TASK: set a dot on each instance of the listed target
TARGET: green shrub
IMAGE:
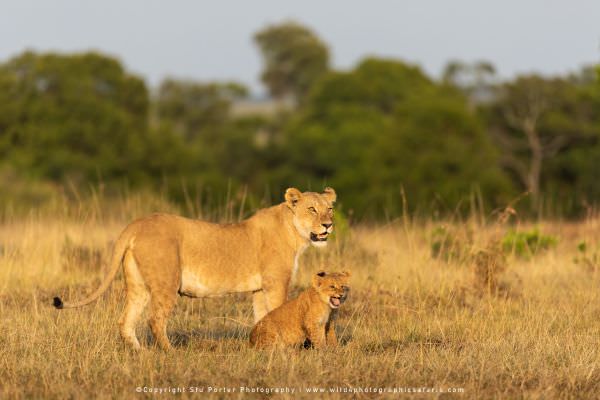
(527, 243)
(341, 224)
(587, 259)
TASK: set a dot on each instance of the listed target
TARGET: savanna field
(482, 307)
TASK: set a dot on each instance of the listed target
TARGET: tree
(78, 117)
(572, 176)
(476, 80)
(225, 152)
(384, 127)
(294, 58)
(193, 108)
(535, 119)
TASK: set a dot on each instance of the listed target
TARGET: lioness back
(308, 316)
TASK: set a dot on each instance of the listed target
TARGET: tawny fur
(309, 316)
(166, 255)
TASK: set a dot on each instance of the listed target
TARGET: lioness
(165, 255)
(309, 316)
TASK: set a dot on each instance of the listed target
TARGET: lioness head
(332, 287)
(313, 213)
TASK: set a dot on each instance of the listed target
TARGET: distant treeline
(385, 135)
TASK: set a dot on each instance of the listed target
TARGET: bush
(341, 225)
(528, 243)
(587, 259)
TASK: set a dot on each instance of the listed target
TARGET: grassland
(532, 330)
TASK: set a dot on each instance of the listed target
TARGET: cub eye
(331, 287)
(312, 210)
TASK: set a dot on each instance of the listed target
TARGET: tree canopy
(384, 128)
(80, 116)
(541, 126)
(384, 133)
(294, 58)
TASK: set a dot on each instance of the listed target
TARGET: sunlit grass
(411, 320)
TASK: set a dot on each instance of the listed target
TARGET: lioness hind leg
(136, 301)
(159, 263)
(162, 305)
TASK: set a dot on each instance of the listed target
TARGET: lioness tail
(118, 253)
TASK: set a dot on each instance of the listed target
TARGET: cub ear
(329, 194)
(292, 195)
(346, 274)
(316, 279)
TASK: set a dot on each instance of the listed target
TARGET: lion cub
(309, 316)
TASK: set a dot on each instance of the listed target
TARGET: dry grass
(529, 328)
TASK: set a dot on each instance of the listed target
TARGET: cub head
(332, 287)
(313, 213)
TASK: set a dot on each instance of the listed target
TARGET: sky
(202, 40)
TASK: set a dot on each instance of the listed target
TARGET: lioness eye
(331, 287)
(312, 210)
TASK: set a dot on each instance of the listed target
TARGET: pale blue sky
(213, 40)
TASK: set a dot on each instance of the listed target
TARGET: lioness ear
(292, 195)
(329, 193)
(316, 280)
(346, 274)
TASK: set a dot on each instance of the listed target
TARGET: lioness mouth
(335, 302)
(321, 237)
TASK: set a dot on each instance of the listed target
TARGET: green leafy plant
(342, 224)
(587, 259)
(527, 243)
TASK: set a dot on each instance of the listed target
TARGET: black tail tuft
(57, 303)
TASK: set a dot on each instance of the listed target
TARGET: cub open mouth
(321, 237)
(335, 302)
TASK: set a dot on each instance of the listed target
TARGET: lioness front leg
(275, 297)
(275, 292)
(259, 303)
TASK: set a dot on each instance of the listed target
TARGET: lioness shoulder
(309, 316)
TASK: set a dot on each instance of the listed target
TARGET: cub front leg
(331, 338)
(316, 335)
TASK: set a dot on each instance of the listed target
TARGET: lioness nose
(327, 225)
